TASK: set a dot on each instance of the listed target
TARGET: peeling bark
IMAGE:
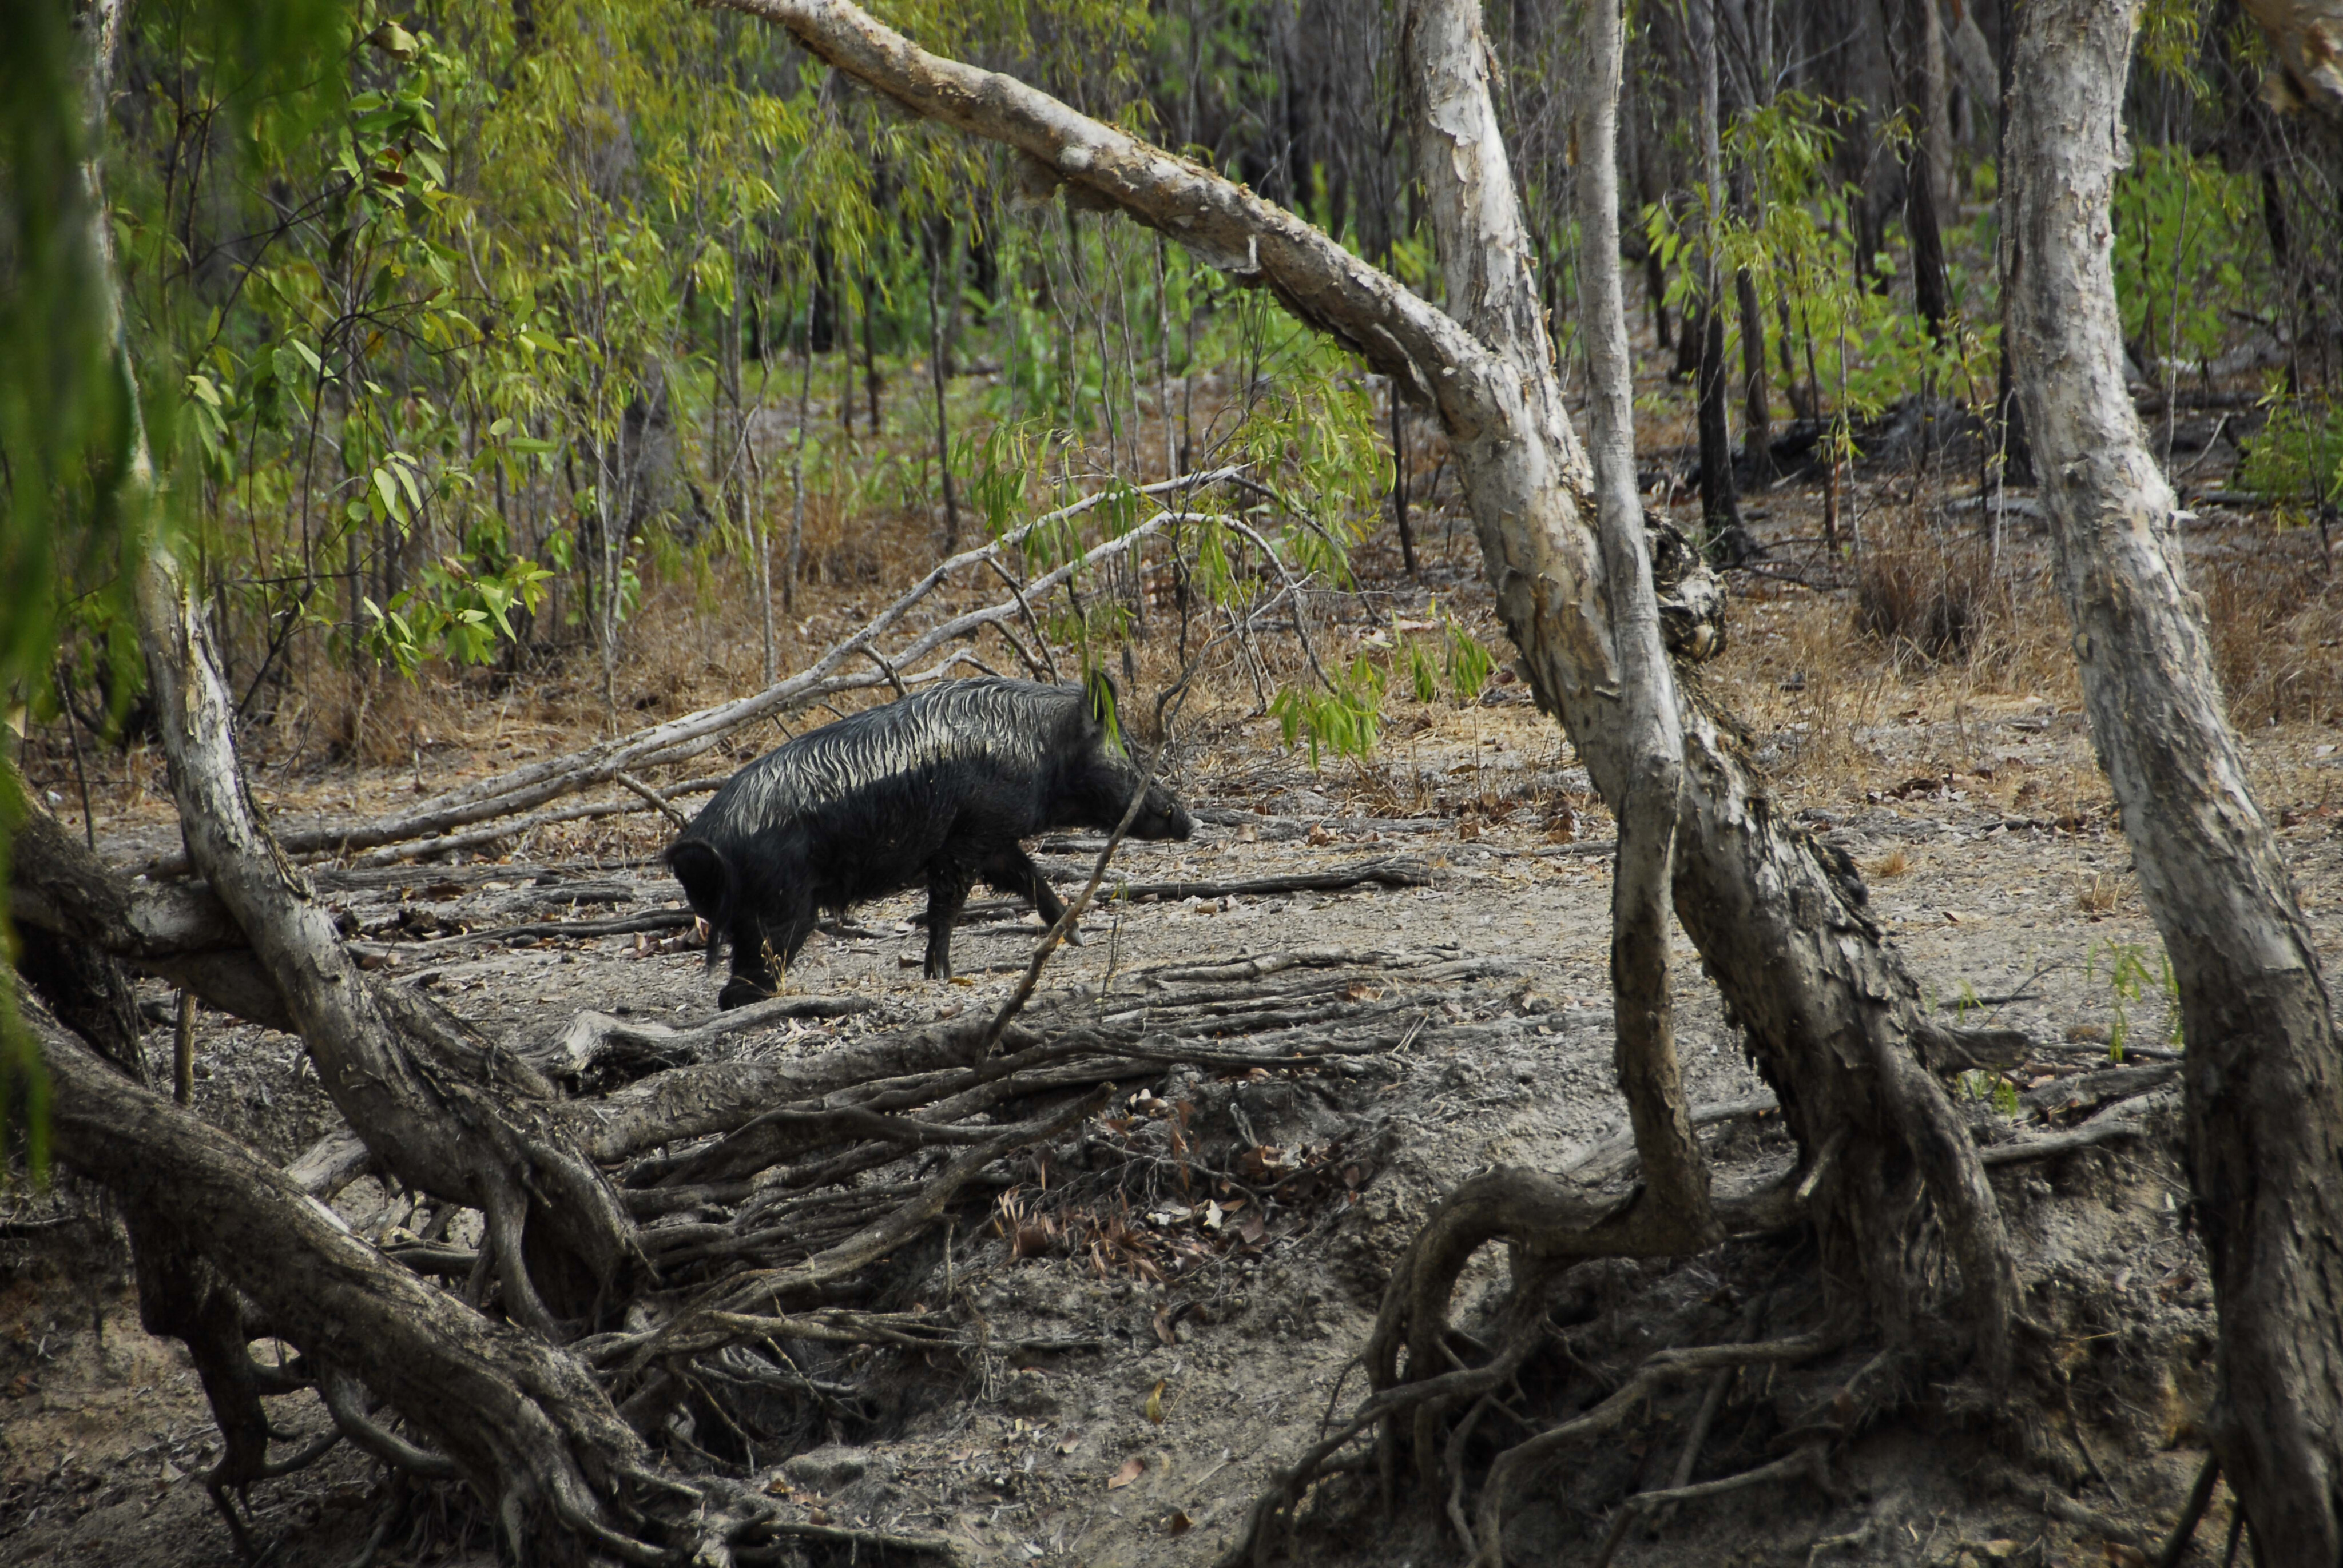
(2264, 1084)
(180, 932)
(446, 1110)
(1651, 733)
(2308, 38)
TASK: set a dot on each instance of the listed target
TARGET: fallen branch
(696, 1330)
(1806, 1462)
(615, 925)
(2125, 1119)
(693, 734)
(1614, 1158)
(592, 1036)
(839, 1535)
(1385, 873)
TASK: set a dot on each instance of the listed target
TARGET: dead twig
(701, 1329)
(2125, 1119)
(1656, 1372)
(630, 782)
(2200, 1497)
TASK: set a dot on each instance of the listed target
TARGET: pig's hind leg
(948, 885)
(1013, 871)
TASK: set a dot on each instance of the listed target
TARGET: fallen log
(1385, 873)
(183, 933)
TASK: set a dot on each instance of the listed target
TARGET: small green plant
(458, 609)
(1345, 720)
(2130, 977)
(1979, 1085)
(1967, 1001)
(1470, 665)
(2297, 459)
(1460, 660)
(1422, 674)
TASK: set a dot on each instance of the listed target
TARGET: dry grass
(1910, 670)
(2097, 893)
(1925, 594)
(2277, 623)
(1895, 864)
(1928, 636)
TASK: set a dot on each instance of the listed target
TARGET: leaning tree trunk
(2265, 1089)
(520, 1419)
(1651, 733)
(1829, 1010)
(446, 1111)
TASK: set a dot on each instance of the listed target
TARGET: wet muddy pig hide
(937, 788)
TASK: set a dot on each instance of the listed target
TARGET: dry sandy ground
(1148, 1453)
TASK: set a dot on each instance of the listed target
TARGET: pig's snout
(1162, 817)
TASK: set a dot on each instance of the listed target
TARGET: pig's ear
(1101, 703)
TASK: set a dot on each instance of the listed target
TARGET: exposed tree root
(1423, 1399)
(520, 1419)
(743, 1252)
(1660, 1370)
(2200, 1497)
(1808, 1461)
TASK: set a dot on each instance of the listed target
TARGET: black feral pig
(941, 787)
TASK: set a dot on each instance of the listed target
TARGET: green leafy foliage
(2133, 973)
(1344, 717)
(2190, 257)
(1858, 349)
(2296, 458)
(69, 415)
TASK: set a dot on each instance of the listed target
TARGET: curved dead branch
(446, 1110)
(180, 933)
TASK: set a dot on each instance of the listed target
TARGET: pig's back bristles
(1012, 722)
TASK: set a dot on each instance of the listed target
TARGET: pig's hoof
(740, 993)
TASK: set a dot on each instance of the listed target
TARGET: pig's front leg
(763, 945)
(753, 978)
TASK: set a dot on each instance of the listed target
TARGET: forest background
(461, 330)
